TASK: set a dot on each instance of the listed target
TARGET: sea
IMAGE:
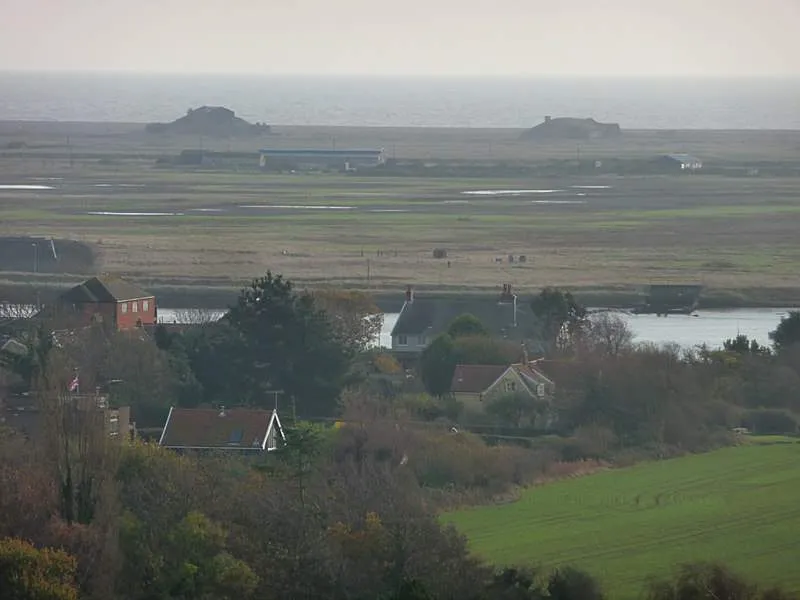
(634, 103)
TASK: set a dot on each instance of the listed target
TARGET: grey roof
(105, 289)
(431, 316)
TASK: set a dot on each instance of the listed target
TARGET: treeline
(350, 511)
(336, 514)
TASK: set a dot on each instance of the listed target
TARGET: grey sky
(502, 37)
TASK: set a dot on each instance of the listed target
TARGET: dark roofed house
(239, 429)
(108, 300)
(422, 319)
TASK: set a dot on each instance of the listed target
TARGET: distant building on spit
(681, 162)
(313, 159)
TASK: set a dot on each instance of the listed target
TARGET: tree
(438, 361)
(466, 325)
(191, 561)
(27, 573)
(514, 584)
(290, 345)
(787, 333)
(354, 315)
(572, 584)
(513, 408)
(437, 364)
(703, 581)
(741, 344)
(148, 379)
(561, 317)
(608, 334)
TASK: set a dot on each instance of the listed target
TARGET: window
(134, 306)
(236, 436)
(145, 305)
(402, 340)
(124, 307)
(423, 340)
(540, 390)
(272, 443)
(511, 386)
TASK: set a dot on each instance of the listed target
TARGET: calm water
(402, 102)
(710, 327)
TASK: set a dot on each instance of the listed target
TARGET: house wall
(471, 402)
(413, 343)
(127, 317)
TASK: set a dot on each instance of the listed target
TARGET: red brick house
(108, 300)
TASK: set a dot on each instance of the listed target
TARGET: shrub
(770, 421)
(27, 573)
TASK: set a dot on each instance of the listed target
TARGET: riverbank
(25, 289)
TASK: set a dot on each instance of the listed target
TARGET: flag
(73, 385)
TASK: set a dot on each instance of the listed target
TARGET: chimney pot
(409, 293)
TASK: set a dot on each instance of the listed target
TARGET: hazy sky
(459, 37)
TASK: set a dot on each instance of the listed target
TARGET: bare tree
(75, 441)
(196, 316)
(14, 311)
(608, 334)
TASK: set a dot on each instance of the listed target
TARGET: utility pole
(368, 273)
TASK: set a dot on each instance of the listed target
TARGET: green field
(739, 506)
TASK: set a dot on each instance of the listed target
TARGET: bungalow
(422, 319)
(240, 429)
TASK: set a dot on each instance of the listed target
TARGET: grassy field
(737, 505)
(223, 227)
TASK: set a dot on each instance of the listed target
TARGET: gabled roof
(104, 289)
(532, 377)
(478, 379)
(220, 429)
(475, 379)
(431, 316)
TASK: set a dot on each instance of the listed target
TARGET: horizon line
(340, 75)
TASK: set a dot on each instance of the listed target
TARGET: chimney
(525, 359)
(506, 295)
(547, 119)
(409, 294)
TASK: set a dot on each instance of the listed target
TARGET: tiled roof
(104, 289)
(475, 379)
(431, 316)
(532, 378)
(227, 428)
